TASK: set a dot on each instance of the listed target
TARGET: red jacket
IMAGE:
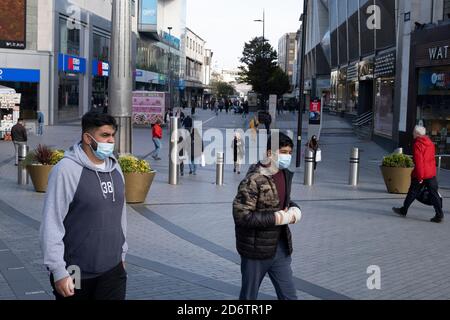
(157, 131)
(424, 159)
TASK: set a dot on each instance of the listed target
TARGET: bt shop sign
(71, 64)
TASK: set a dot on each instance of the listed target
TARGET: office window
(446, 9)
(69, 37)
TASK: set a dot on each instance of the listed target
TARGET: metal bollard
(439, 166)
(398, 151)
(22, 174)
(173, 152)
(354, 168)
(309, 168)
(219, 168)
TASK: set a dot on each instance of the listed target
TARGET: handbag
(424, 196)
(318, 155)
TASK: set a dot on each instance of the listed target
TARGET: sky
(227, 24)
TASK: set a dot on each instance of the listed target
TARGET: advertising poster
(12, 24)
(148, 15)
(148, 107)
(315, 111)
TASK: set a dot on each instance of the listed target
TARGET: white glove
(285, 217)
(296, 212)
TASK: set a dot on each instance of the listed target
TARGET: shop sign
(438, 53)
(171, 40)
(385, 65)
(19, 75)
(71, 64)
(100, 68)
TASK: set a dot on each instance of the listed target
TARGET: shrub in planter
(39, 163)
(396, 170)
(138, 178)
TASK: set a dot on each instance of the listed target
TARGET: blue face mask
(104, 150)
(284, 161)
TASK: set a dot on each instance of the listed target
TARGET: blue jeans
(279, 270)
(40, 129)
(155, 153)
(192, 167)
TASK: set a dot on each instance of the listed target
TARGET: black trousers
(415, 189)
(111, 285)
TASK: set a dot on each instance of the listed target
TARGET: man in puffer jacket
(424, 174)
(262, 211)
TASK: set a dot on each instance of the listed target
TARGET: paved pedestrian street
(182, 242)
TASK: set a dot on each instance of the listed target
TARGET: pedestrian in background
(196, 150)
(262, 211)
(424, 175)
(84, 217)
(156, 137)
(238, 151)
(40, 120)
(19, 137)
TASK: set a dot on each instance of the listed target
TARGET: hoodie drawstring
(101, 187)
(113, 189)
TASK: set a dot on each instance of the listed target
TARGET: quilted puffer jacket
(254, 210)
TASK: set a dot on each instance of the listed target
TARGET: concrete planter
(397, 180)
(137, 186)
(39, 176)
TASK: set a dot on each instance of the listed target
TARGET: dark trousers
(111, 285)
(415, 189)
(279, 270)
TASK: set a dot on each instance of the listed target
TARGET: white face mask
(284, 161)
(104, 150)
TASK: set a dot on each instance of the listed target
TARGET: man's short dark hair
(284, 141)
(20, 119)
(93, 120)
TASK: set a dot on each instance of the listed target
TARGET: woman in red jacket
(156, 136)
(424, 174)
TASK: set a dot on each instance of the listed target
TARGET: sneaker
(234, 170)
(190, 172)
(436, 219)
(399, 211)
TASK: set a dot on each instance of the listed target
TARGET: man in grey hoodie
(84, 217)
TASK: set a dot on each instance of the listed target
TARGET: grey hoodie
(84, 216)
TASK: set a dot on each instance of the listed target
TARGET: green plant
(398, 161)
(131, 164)
(43, 155)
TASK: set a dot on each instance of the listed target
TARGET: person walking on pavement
(187, 123)
(84, 217)
(156, 137)
(196, 150)
(238, 151)
(19, 137)
(262, 211)
(40, 120)
(424, 175)
(313, 144)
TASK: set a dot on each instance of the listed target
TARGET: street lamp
(264, 24)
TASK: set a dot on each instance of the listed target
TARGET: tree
(222, 89)
(279, 82)
(259, 65)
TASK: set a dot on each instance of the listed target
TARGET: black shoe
(234, 170)
(436, 219)
(399, 211)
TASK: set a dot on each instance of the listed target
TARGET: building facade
(195, 69)
(60, 59)
(387, 59)
(287, 53)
